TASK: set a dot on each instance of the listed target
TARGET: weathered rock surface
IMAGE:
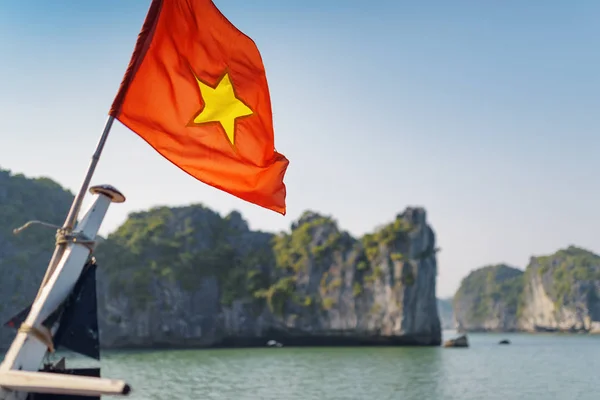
(558, 292)
(460, 341)
(188, 277)
(488, 299)
(562, 292)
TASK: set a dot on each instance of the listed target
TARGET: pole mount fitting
(109, 191)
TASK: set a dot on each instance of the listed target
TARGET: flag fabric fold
(196, 91)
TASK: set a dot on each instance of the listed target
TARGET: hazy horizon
(483, 114)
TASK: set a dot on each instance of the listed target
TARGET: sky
(484, 113)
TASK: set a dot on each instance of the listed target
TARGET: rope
(43, 336)
(63, 236)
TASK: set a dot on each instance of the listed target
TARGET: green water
(532, 367)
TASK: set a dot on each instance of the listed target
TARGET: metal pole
(76, 206)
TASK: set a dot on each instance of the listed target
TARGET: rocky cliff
(24, 257)
(189, 277)
(558, 292)
(562, 292)
(488, 299)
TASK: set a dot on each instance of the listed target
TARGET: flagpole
(76, 206)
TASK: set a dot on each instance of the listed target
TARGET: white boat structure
(63, 314)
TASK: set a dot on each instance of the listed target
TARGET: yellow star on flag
(221, 105)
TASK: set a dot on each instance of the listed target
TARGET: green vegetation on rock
(23, 199)
(392, 237)
(189, 275)
(188, 245)
(24, 257)
(315, 239)
(293, 250)
(389, 235)
(279, 293)
(567, 268)
(185, 245)
(486, 287)
(503, 297)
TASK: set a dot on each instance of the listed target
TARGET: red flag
(197, 92)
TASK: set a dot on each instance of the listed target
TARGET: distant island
(555, 293)
(189, 277)
(446, 313)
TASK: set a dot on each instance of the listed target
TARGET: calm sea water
(532, 367)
